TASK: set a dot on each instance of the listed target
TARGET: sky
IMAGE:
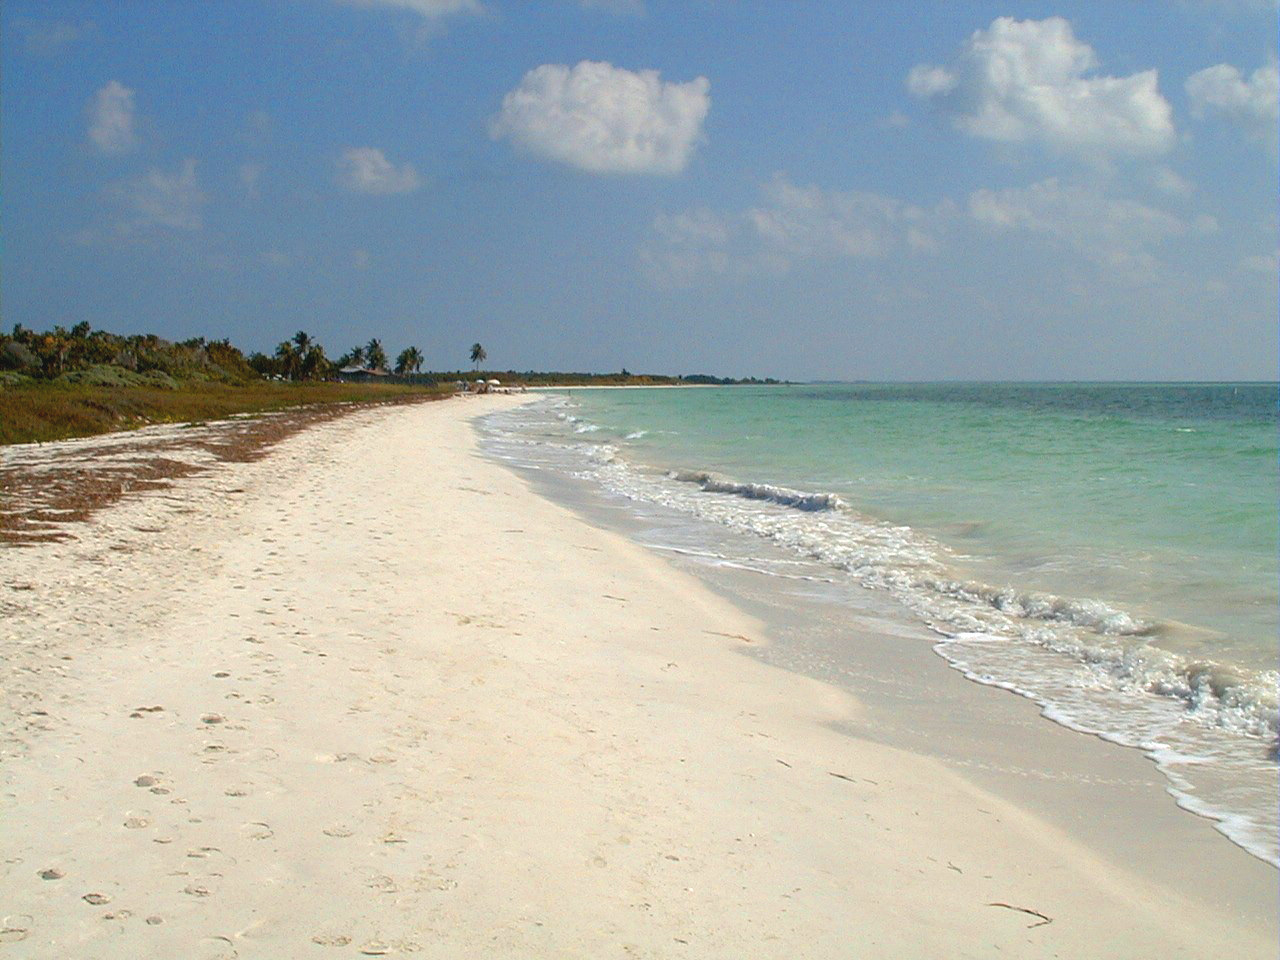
(804, 190)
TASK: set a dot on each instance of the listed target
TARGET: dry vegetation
(42, 411)
(45, 490)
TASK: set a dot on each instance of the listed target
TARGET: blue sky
(802, 190)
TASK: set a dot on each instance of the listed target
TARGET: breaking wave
(714, 483)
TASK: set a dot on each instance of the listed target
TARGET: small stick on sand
(1034, 913)
(731, 636)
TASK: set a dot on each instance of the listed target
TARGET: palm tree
(302, 340)
(315, 365)
(409, 361)
(375, 357)
(477, 355)
(288, 359)
(353, 358)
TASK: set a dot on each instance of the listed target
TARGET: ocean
(1107, 550)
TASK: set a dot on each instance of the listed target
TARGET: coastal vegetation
(77, 381)
(71, 382)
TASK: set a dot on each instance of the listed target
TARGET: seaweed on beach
(45, 489)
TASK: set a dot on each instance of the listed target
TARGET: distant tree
(375, 357)
(302, 340)
(288, 362)
(478, 355)
(352, 358)
(409, 361)
(315, 365)
(262, 364)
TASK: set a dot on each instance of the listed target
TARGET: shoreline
(410, 706)
(913, 697)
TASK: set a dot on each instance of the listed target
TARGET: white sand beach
(371, 695)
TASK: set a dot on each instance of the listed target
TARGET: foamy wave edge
(1245, 702)
(784, 496)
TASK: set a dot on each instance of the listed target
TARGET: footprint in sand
(257, 830)
(53, 873)
(15, 927)
(216, 948)
(331, 939)
(136, 823)
(209, 853)
(337, 830)
(337, 757)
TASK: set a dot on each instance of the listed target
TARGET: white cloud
(425, 8)
(796, 224)
(1108, 230)
(1253, 104)
(926, 81)
(809, 222)
(1025, 81)
(158, 201)
(112, 118)
(791, 224)
(604, 119)
(367, 170)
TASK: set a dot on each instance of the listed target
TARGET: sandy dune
(372, 696)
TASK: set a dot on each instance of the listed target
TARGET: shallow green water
(1159, 499)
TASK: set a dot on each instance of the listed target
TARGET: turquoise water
(1161, 498)
(1109, 550)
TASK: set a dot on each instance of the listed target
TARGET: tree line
(81, 354)
(302, 357)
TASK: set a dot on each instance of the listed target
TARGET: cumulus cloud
(604, 119)
(367, 170)
(1112, 231)
(158, 201)
(1253, 104)
(926, 81)
(1030, 81)
(112, 119)
(425, 8)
